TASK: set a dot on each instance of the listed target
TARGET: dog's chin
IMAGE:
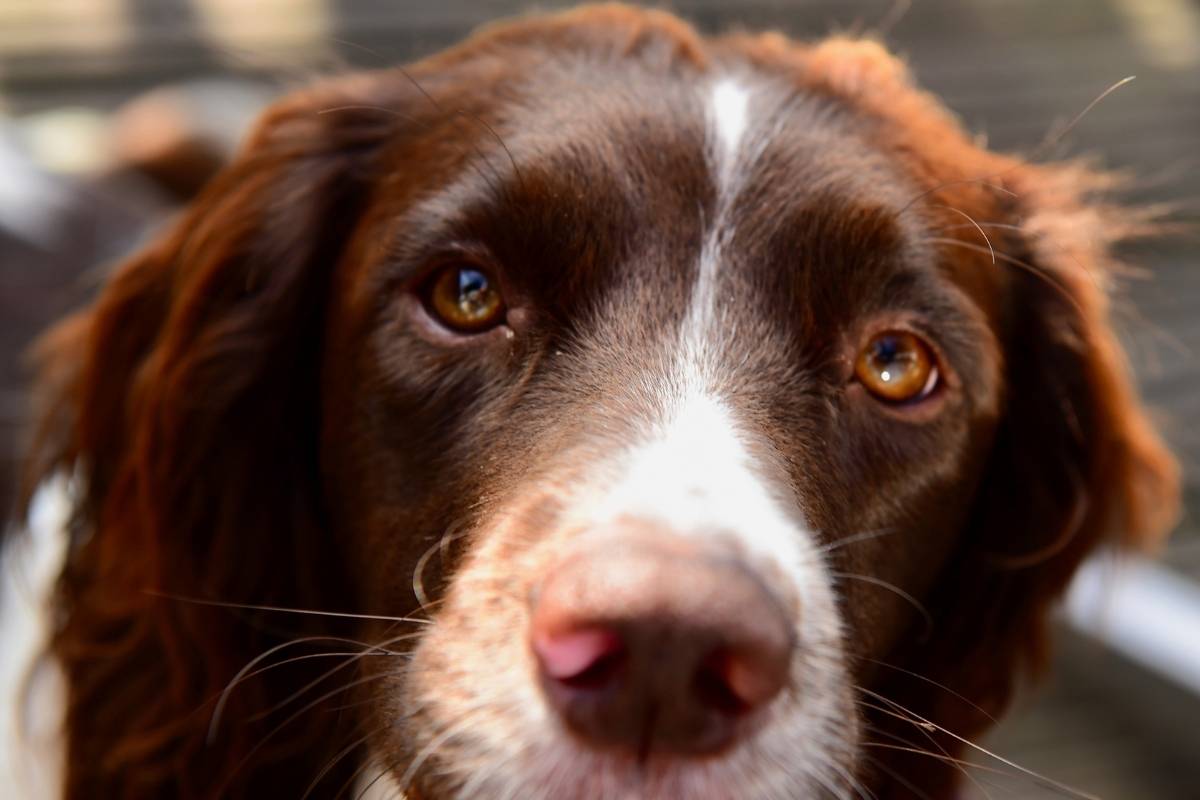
(570, 771)
(805, 748)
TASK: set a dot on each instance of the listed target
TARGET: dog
(591, 410)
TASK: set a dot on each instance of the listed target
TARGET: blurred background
(114, 111)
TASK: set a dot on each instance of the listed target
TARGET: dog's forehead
(733, 126)
(654, 160)
(731, 179)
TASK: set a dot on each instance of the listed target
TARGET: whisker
(200, 601)
(961, 763)
(223, 698)
(855, 784)
(379, 57)
(366, 764)
(1016, 262)
(891, 587)
(416, 84)
(1052, 139)
(931, 682)
(895, 14)
(933, 741)
(294, 659)
(1004, 226)
(845, 541)
(429, 749)
(418, 582)
(984, 182)
(907, 784)
(363, 792)
(916, 719)
(292, 718)
(977, 226)
(381, 650)
(391, 112)
(333, 762)
(479, 120)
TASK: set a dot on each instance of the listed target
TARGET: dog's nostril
(735, 683)
(581, 659)
(714, 691)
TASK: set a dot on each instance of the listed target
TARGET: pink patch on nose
(566, 655)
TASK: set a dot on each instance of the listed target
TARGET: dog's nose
(659, 645)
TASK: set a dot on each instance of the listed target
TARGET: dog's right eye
(465, 298)
(897, 367)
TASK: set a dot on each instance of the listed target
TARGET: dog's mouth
(768, 764)
(642, 664)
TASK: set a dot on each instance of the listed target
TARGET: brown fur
(229, 400)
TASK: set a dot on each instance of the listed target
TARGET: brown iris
(896, 366)
(466, 298)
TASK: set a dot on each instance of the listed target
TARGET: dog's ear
(184, 405)
(1076, 394)
(1076, 464)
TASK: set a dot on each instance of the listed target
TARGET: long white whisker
(976, 225)
(241, 675)
(896, 590)
(917, 719)
(931, 682)
(845, 541)
(200, 601)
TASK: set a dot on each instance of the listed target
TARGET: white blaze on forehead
(695, 473)
(729, 104)
(730, 150)
(696, 476)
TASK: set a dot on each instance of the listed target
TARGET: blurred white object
(1143, 611)
(31, 201)
(68, 141)
(31, 689)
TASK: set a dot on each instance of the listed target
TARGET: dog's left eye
(897, 367)
(465, 298)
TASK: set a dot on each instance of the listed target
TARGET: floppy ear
(184, 403)
(1076, 394)
(1076, 463)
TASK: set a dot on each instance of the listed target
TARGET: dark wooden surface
(1014, 70)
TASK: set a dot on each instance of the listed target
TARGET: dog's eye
(897, 366)
(465, 298)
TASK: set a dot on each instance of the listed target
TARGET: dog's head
(698, 396)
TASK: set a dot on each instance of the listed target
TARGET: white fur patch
(695, 471)
(696, 476)
(372, 784)
(728, 123)
(32, 700)
(730, 108)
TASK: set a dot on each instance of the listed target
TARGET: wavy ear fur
(1076, 465)
(184, 402)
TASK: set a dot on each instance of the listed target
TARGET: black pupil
(471, 284)
(888, 350)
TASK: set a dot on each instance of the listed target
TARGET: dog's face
(673, 373)
(685, 330)
(696, 392)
